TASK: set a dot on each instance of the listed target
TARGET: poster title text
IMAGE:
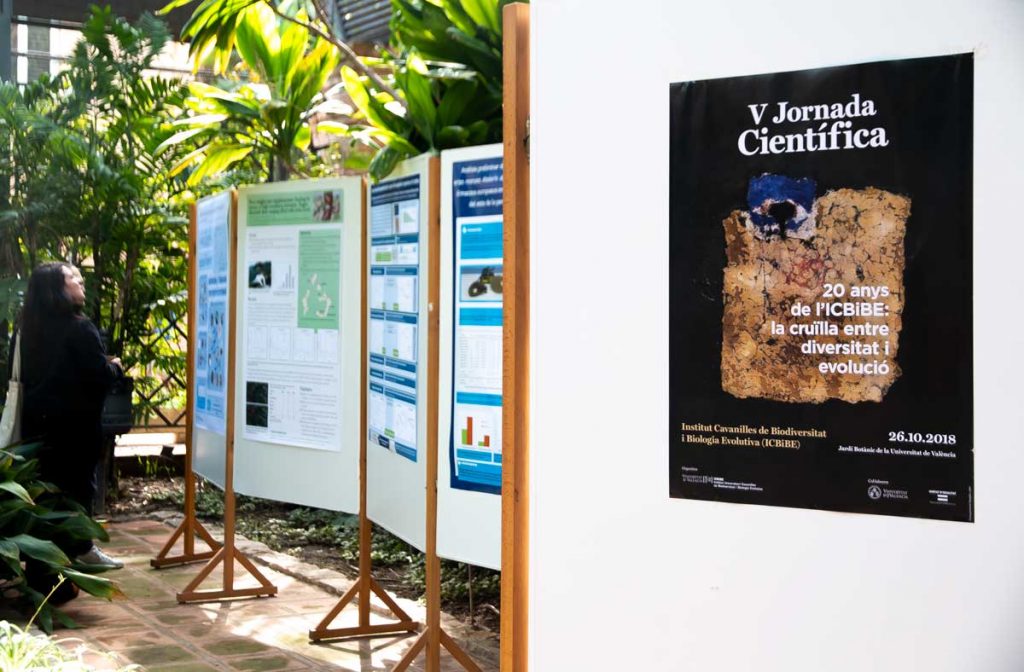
(830, 127)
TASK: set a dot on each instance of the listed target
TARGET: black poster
(820, 270)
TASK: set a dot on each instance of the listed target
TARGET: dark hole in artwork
(782, 212)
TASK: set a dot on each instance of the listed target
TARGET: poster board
(209, 308)
(821, 289)
(298, 342)
(723, 586)
(399, 211)
(470, 352)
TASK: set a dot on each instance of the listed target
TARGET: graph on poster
(479, 427)
(292, 252)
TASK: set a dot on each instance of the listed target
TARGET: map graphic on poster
(820, 296)
(293, 270)
(319, 255)
(393, 323)
(475, 446)
(211, 282)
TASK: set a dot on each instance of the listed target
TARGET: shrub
(38, 526)
(23, 651)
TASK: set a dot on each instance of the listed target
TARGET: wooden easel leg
(412, 653)
(404, 623)
(189, 528)
(362, 590)
(433, 638)
(255, 573)
(365, 586)
(423, 642)
(227, 556)
(386, 599)
(457, 653)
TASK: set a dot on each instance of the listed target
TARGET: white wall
(624, 578)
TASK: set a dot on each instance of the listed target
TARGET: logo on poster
(875, 492)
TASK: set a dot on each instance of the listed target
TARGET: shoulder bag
(10, 423)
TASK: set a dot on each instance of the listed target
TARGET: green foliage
(457, 581)
(446, 60)
(88, 186)
(23, 651)
(37, 526)
(266, 118)
(213, 28)
(439, 86)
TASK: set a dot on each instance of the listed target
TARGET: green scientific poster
(291, 237)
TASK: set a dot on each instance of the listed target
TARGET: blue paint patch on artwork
(780, 204)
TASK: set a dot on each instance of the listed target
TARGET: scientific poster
(820, 289)
(394, 320)
(211, 284)
(475, 444)
(292, 381)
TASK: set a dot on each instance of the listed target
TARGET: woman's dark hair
(46, 300)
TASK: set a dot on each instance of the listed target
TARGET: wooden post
(515, 466)
(227, 554)
(189, 527)
(365, 586)
(432, 638)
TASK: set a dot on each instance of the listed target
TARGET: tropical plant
(267, 116)
(438, 86)
(88, 186)
(111, 124)
(446, 58)
(38, 525)
(21, 650)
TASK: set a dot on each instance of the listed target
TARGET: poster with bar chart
(470, 390)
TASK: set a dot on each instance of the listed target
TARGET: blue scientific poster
(394, 319)
(475, 445)
(211, 285)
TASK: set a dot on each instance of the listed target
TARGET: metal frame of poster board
(326, 476)
(228, 553)
(200, 444)
(469, 508)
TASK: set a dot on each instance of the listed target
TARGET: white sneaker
(94, 556)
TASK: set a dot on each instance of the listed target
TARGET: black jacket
(66, 377)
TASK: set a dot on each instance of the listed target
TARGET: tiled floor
(148, 627)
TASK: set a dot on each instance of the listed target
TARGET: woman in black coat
(66, 375)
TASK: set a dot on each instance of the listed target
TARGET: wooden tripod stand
(365, 585)
(190, 527)
(227, 554)
(433, 637)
